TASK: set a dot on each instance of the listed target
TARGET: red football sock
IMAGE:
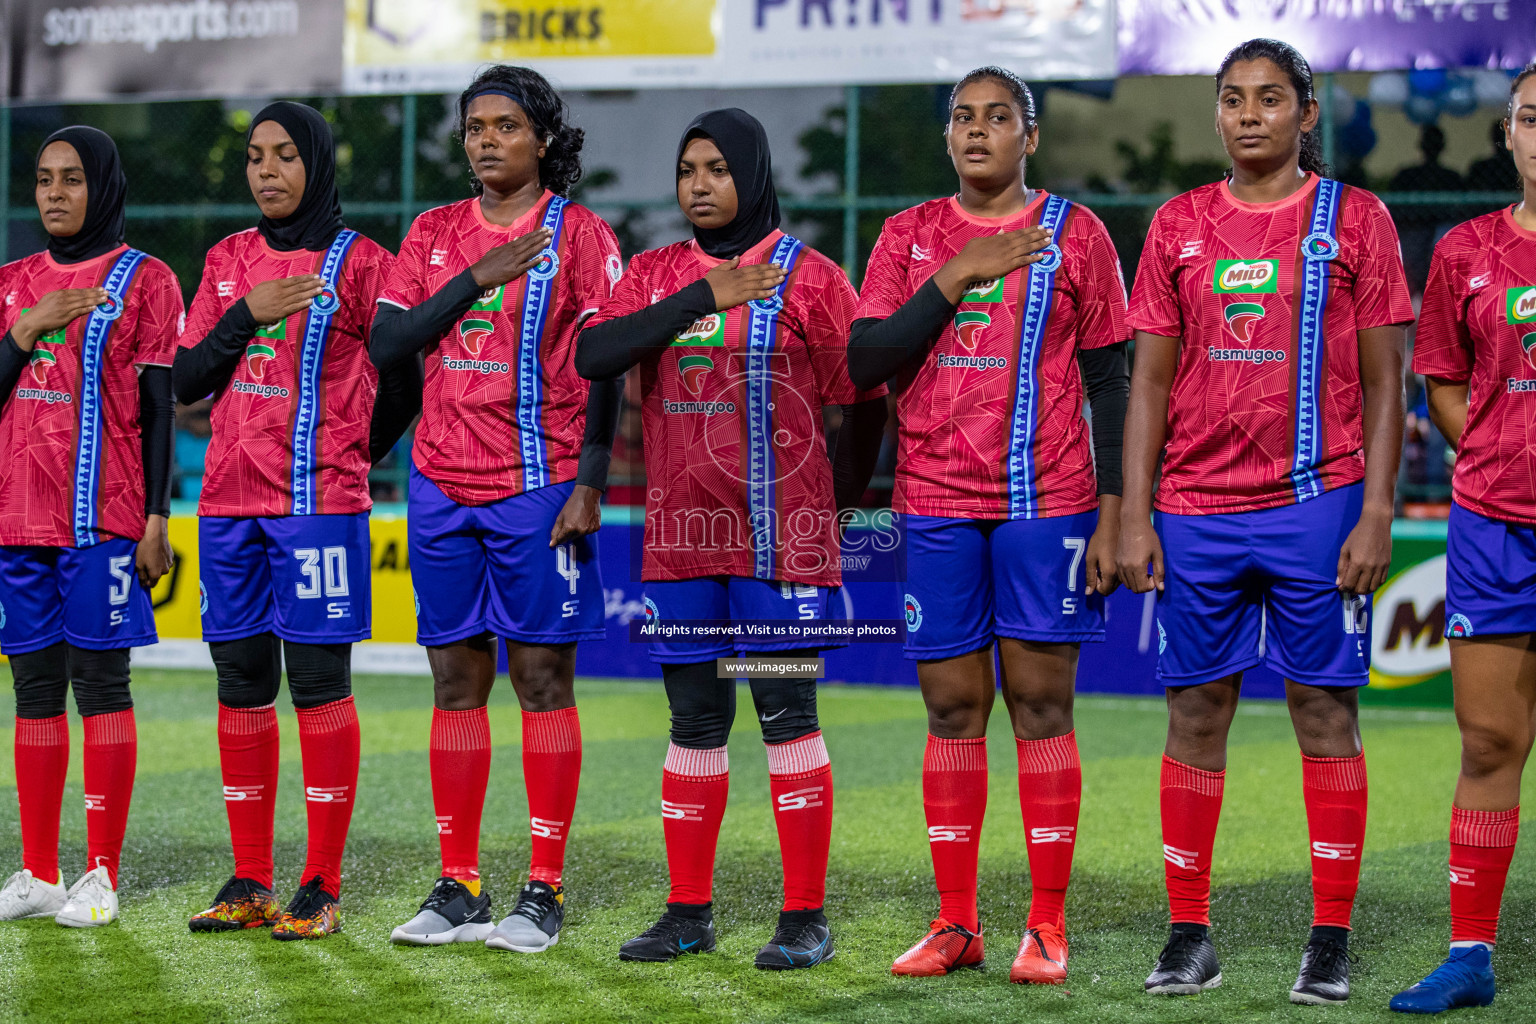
(328, 741)
(248, 761)
(1482, 845)
(42, 758)
(800, 782)
(694, 788)
(1050, 794)
(954, 803)
(551, 773)
(111, 754)
(460, 757)
(1191, 805)
(1335, 792)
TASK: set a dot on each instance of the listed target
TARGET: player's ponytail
(1289, 60)
(560, 167)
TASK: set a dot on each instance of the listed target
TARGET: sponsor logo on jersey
(702, 408)
(1248, 277)
(614, 269)
(1479, 281)
(257, 357)
(919, 254)
(706, 330)
(275, 331)
(969, 324)
(1192, 248)
(245, 387)
(1520, 305)
(484, 366)
(472, 335)
(693, 369)
(439, 258)
(1458, 626)
(491, 300)
(913, 612)
(949, 362)
(1240, 317)
(984, 291)
(42, 358)
(226, 289)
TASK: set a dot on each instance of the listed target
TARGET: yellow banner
(390, 33)
(178, 602)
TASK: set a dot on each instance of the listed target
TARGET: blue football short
(739, 600)
(489, 569)
(1249, 588)
(304, 578)
(91, 597)
(972, 580)
(1490, 576)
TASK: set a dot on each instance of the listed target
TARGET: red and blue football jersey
(73, 470)
(1267, 300)
(991, 421)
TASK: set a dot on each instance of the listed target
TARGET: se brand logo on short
(1520, 305)
(706, 330)
(1241, 316)
(257, 357)
(968, 327)
(1246, 276)
(472, 335)
(693, 369)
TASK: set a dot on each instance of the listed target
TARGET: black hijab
(317, 221)
(744, 145)
(106, 191)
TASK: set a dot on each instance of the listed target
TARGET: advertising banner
(431, 45)
(104, 49)
(1408, 650)
(1189, 37)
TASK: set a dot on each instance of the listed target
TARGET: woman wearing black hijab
(278, 333)
(85, 430)
(741, 335)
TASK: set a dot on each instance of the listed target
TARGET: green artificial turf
(148, 967)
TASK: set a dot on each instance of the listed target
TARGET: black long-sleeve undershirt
(603, 402)
(206, 367)
(879, 349)
(157, 437)
(12, 361)
(856, 449)
(606, 350)
(398, 334)
(396, 405)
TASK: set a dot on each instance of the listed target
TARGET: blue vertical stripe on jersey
(530, 381)
(762, 333)
(305, 469)
(98, 329)
(1039, 292)
(1310, 348)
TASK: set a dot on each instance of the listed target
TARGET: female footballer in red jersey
(511, 457)
(278, 333)
(1018, 297)
(740, 334)
(85, 428)
(1269, 311)
(1476, 347)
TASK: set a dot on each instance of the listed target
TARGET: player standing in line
(740, 335)
(1018, 296)
(511, 458)
(1476, 347)
(278, 333)
(86, 425)
(1269, 311)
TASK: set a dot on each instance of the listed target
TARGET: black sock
(694, 911)
(1321, 932)
(1199, 931)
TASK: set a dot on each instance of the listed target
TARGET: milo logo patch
(1520, 305)
(706, 330)
(984, 291)
(491, 300)
(1246, 276)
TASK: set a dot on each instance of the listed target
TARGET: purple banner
(1189, 37)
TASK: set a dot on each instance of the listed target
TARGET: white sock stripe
(693, 763)
(806, 754)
